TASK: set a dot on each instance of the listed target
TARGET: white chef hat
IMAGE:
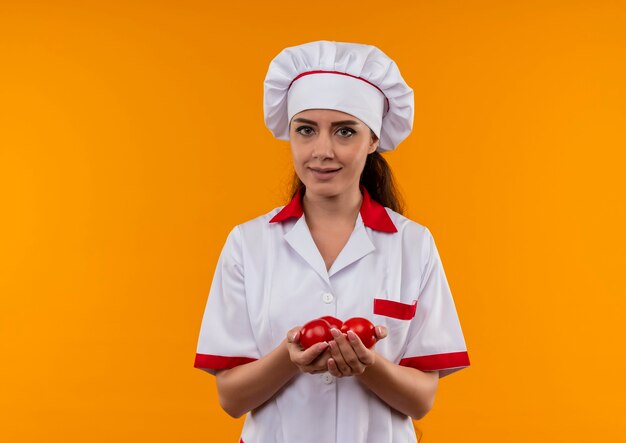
(353, 78)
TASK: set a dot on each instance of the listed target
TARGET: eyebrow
(342, 122)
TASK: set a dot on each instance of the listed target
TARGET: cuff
(447, 363)
(213, 363)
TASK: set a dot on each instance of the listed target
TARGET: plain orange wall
(132, 140)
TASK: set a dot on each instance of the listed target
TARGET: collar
(373, 213)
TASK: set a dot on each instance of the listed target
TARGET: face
(325, 139)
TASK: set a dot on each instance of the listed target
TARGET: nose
(323, 147)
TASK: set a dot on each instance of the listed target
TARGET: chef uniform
(270, 276)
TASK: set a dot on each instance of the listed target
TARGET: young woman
(341, 247)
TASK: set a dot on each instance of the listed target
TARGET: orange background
(132, 140)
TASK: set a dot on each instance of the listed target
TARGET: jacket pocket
(395, 309)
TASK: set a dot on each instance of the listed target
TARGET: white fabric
(335, 91)
(366, 62)
(270, 277)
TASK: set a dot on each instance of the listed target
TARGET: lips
(324, 174)
(325, 169)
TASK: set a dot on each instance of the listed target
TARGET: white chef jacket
(270, 277)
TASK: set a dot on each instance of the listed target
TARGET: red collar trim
(373, 213)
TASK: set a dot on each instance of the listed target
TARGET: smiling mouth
(324, 175)
(325, 170)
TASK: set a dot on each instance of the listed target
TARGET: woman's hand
(349, 354)
(313, 360)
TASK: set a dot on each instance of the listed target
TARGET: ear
(373, 145)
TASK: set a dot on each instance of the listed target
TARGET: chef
(340, 247)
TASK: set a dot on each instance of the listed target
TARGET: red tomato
(333, 322)
(361, 327)
(315, 331)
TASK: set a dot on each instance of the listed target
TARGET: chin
(324, 189)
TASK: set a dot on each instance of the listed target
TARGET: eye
(305, 128)
(349, 134)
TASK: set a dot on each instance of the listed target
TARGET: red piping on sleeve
(437, 361)
(208, 361)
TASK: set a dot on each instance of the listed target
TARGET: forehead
(323, 116)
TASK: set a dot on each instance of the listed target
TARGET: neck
(328, 211)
